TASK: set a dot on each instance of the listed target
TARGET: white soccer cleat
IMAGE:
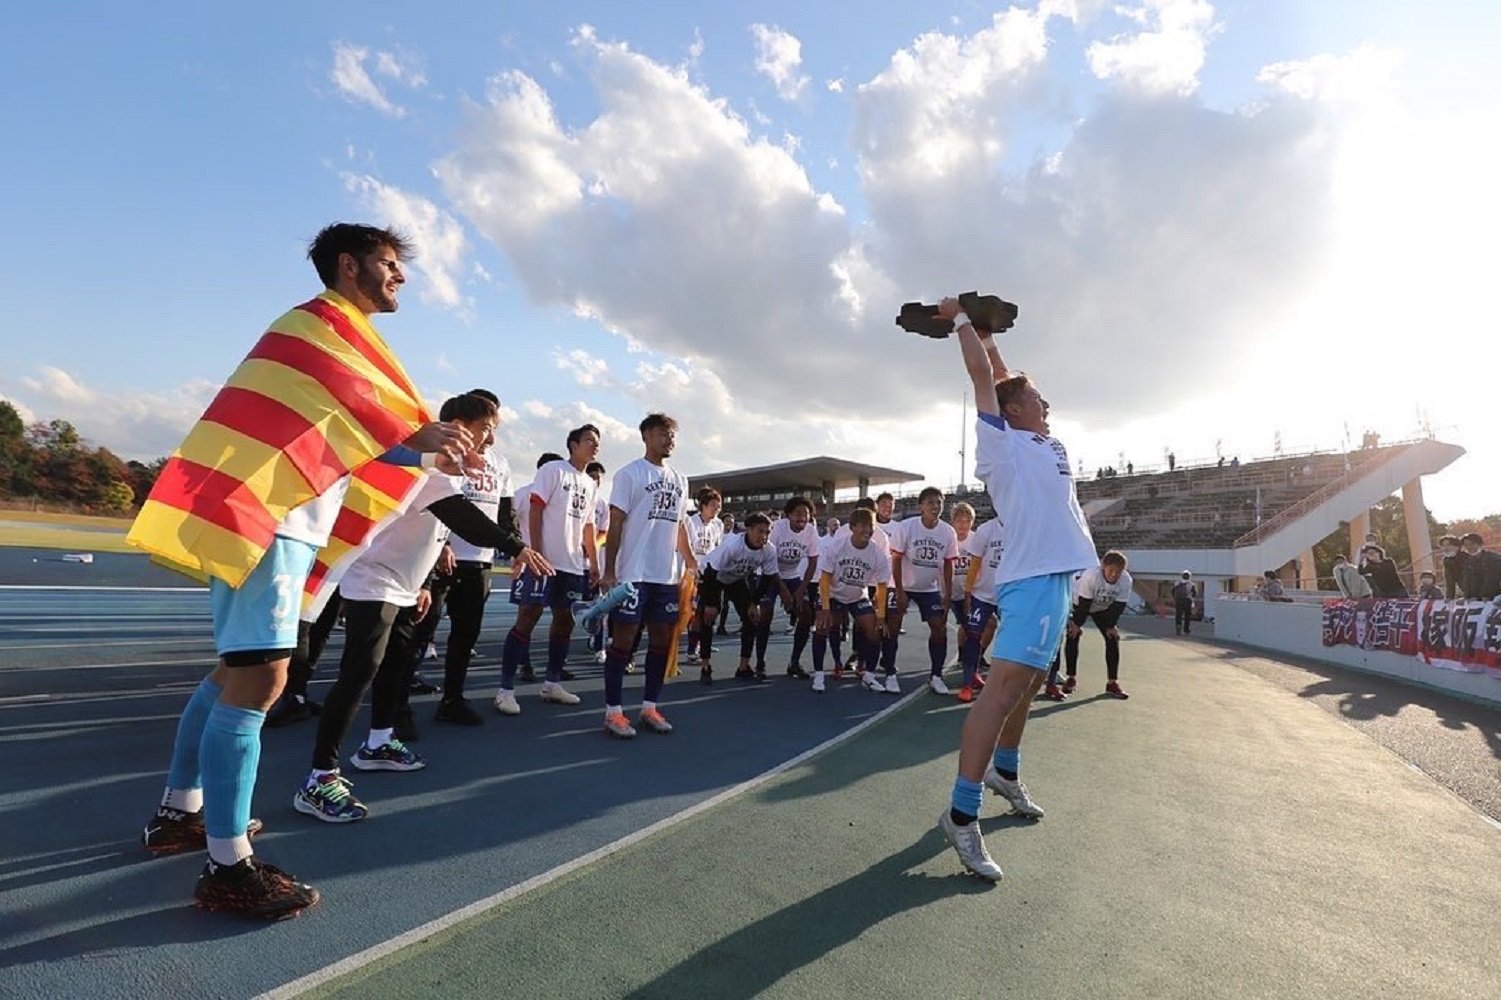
(871, 682)
(599, 657)
(557, 694)
(505, 703)
(1013, 792)
(818, 682)
(937, 686)
(892, 687)
(969, 844)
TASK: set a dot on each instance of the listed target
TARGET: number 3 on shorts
(284, 596)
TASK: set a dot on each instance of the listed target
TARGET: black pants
(377, 644)
(468, 592)
(1183, 615)
(1112, 651)
(738, 595)
(311, 638)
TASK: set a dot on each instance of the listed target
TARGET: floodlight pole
(963, 431)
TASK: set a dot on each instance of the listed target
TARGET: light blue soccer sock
(1008, 762)
(230, 755)
(966, 798)
(184, 781)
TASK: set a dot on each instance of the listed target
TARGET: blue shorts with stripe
(561, 590)
(654, 603)
(929, 604)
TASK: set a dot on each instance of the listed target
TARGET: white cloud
(587, 370)
(835, 86)
(133, 424)
(403, 68)
(1165, 57)
(1364, 75)
(354, 81)
(441, 244)
(779, 58)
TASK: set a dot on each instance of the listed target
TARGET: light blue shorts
(1033, 614)
(261, 614)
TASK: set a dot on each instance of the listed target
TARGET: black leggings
(1112, 651)
(377, 644)
(737, 595)
(311, 638)
(467, 595)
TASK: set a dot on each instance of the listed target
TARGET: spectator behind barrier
(1482, 572)
(1381, 572)
(1349, 581)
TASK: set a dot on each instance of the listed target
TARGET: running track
(91, 684)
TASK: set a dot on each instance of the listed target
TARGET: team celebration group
(363, 508)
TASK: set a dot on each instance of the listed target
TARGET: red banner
(1453, 635)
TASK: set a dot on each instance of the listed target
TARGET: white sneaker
(871, 682)
(818, 682)
(892, 687)
(430, 653)
(969, 844)
(505, 703)
(937, 686)
(557, 694)
(599, 657)
(1013, 792)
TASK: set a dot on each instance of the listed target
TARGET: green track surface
(1215, 836)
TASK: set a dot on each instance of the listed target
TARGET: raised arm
(982, 359)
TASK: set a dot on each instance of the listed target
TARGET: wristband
(962, 319)
(429, 460)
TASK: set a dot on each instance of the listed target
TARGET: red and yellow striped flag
(320, 395)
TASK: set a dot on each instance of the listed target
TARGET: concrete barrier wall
(1298, 629)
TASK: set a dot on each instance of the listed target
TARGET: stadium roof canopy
(814, 476)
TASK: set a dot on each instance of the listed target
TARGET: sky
(1231, 227)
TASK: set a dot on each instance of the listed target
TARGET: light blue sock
(184, 773)
(966, 797)
(1008, 760)
(230, 754)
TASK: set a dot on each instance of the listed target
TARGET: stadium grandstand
(1226, 523)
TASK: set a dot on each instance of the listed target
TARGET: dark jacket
(1454, 571)
(1482, 576)
(1183, 592)
(1384, 579)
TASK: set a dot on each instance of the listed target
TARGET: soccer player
(742, 570)
(519, 594)
(796, 542)
(849, 565)
(466, 588)
(217, 748)
(1030, 480)
(1099, 595)
(385, 593)
(986, 546)
(596, 471)
(922, 556)
(560, 519)
(648, 546)
(962, 517)
(705, 532)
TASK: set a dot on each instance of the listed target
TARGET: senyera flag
(320, 396)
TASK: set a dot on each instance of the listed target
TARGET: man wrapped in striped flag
(248, 500)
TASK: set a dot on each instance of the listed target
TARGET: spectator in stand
(1270, 588)
(1349, 581)
(1482, 579)
(1370, 540)
(1428, 588)
(1454, 565)
(1382, 573)
(1183, 603)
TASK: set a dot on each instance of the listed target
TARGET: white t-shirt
(960, 567)
(313, 521)
(521, 503)
(485, 492)
(793, 548)
(1092, 586)
(653, 499)
(851, 570)
(397, 562)
(704, 536)
(601, 516)
(924, 551)
(734, 560)
(878, 536)
(987, 543)
(1031, 484)
(566, 496)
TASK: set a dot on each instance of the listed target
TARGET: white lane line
(376, 952)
